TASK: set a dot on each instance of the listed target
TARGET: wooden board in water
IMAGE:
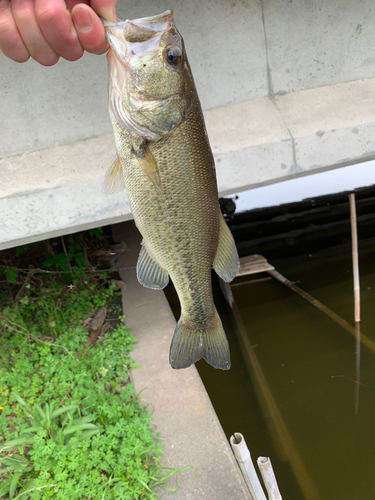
(252, 264)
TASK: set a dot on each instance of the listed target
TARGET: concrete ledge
(183, 413)
(266, 140)
(57, 191)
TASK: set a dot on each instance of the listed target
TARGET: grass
(71, 424)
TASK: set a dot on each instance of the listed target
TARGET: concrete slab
(191, 432)
(57, 191)
(331, 125)
(313, 43)
(46, 107)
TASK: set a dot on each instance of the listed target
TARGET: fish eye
(173, 56)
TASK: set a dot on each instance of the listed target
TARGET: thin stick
(66, 254)
(93, 271)
(15, 328)
(353, 220)
(370, 344)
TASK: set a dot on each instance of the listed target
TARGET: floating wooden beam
(253, 264)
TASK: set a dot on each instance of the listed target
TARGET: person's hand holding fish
(49, 29)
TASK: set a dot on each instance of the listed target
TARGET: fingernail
(109, 14)
(82, 19)
(114, 15)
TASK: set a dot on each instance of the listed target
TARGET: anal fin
(226, 262)
(149, 273)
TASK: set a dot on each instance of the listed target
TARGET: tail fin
(192, 341)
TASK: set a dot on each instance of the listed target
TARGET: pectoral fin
(148, 164)
(226, 262)
(149, 273)
(114, 178)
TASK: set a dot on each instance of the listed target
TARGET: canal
(321, 382)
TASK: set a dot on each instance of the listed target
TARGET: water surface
(325, 398)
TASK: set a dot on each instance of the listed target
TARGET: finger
(89, 29)
(11, 43)
(39, 49)
(57, 27)
(71, 3)
(105, 8)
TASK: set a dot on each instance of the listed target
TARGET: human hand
(49, 29)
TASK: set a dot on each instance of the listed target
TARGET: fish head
(148, 75)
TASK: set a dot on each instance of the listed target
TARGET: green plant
(71, 424)
(97, 232)
(10, 274)
(64, 260)
(54, 428)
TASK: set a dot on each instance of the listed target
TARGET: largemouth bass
(166, 164)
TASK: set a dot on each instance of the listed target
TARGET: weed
(71, 424)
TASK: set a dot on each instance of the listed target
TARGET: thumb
(105, 9)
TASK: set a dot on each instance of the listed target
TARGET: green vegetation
(71, 425)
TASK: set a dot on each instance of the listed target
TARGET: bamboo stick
(353, 221)
(243, 457)
(370, 344)
(269, 478)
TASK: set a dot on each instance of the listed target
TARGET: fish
(165, 162)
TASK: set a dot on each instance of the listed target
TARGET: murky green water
(310, 366)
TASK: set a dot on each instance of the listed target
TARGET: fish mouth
(123, 36)
(160, 22)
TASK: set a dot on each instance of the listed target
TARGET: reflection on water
(321, 379)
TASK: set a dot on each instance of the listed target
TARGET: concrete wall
(287, 87)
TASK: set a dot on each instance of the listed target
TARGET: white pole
(269, 479)
(242, 454)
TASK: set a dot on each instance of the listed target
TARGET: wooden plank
(253, 264)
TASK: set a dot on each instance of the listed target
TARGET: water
(310, 186)
(309, 363)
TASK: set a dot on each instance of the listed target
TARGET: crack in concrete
(297, 168)
(271, 93)
(269, 74)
